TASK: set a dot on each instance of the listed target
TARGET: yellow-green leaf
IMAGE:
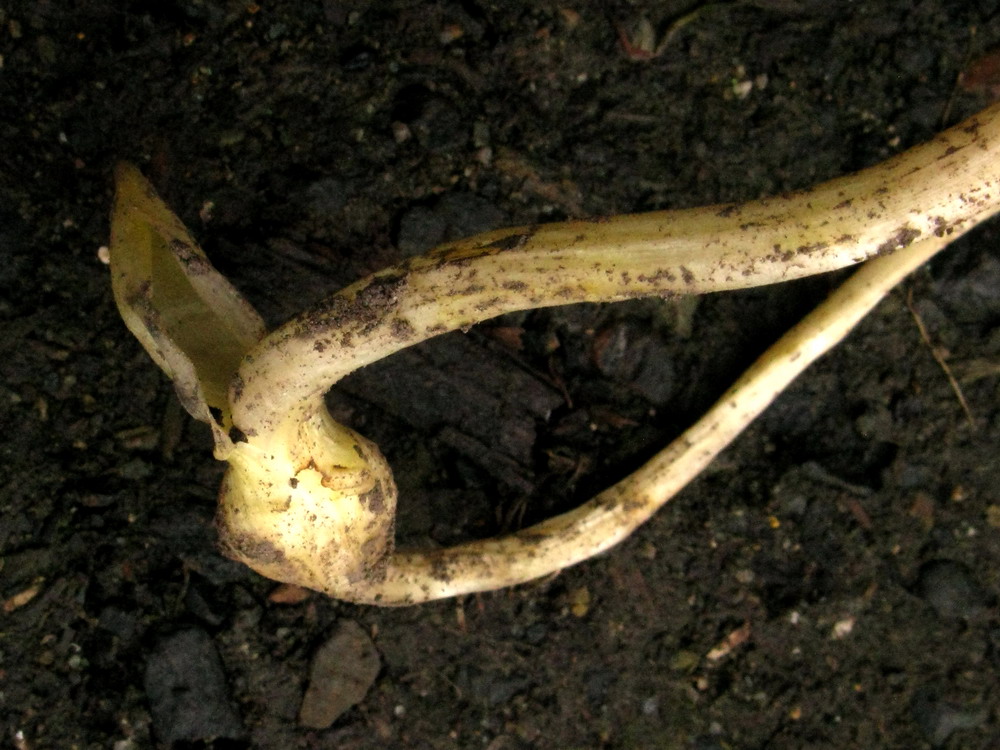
(190, 319)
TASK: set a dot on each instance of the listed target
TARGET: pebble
(135, 470)
(535, 634)
(490, 687)
(440, 128)
(325, 197)
(630, 353)
(187, 691)
(342, 671)
(120, 622)
(939, 719)
(951, 590)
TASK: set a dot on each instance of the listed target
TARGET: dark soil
(846, 546)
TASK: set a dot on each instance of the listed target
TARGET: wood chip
(732, 641)
(21, 598)
(289, 593)
(342, 671)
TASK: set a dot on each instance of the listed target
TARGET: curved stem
(308, 501)
(601, 523)
(934, 190)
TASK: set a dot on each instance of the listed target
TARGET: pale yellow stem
(308, 501)
(936, 189)
(603, 522)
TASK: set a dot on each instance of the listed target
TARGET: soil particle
(634, 355)
(121, 623)
(325, 198)
(490, 687)
(187, 690)
(951, 590)
(939, 719)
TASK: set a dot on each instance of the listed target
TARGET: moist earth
(831, 581)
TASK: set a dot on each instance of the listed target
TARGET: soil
(830, 582)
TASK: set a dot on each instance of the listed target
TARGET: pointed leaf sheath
(190, 319)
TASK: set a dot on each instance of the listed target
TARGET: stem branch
(614, 514)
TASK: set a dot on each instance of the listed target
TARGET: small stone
(684, 661)
(119, 622)
(490, 687)
(579, 601)
(401, 132)
(922, 509)
(535, 633)
(939, 719)
(135, 469)
(187, 691)
(342, 671)
(325, 197)
(450, 33)
(48, 52)
(630, 353)
(950, 588)
(742, 89)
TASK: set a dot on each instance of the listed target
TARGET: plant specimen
(308, 501)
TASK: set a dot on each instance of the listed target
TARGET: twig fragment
(939, 358)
